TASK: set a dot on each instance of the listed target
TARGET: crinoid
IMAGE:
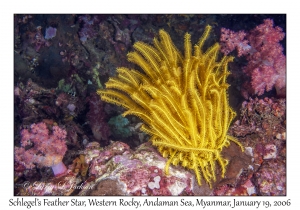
(182, 100)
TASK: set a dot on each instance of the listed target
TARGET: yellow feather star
(182, 100)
